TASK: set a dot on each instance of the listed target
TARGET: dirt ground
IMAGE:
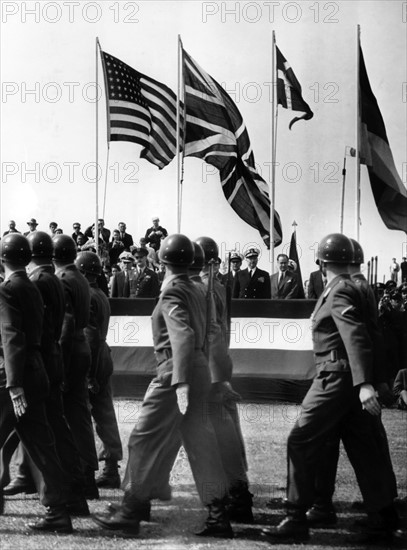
(265, 428)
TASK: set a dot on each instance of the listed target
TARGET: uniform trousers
(104, 415)
(328, 466)
(77, 407)
(64, 444)
(154, 441)
(332, 406)
(36, 436)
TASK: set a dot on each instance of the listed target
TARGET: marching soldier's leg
(104, 415)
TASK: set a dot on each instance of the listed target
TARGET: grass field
(265, 428)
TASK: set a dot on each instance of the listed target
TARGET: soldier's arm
(12, 339)
(67, 332)
(347, 314)
(181, 335)
(92, 334)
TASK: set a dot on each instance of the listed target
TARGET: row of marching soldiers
(55, 369)
(191, 401)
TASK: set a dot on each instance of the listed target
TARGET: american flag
(140, 110)
(216, 133)
(289, 93)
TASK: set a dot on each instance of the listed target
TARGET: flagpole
(178, 141)
(273, 149)
(107, 125)
(97, 147)
(357, 220)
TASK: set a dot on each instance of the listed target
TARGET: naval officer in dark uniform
(340, 400)
(174, 403)
(252, 282)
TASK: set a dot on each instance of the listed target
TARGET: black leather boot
(120, 520)
(294, 527)
(217, 523)
(56, 520)
(143, 510)
(240, 504)
(20, 485)
(109, 478)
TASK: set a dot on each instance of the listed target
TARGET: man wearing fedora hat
(32, 224)
(252, 282)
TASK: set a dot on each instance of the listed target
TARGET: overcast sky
(48, 131)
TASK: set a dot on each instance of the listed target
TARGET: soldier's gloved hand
(385, 394)
(18, 399)
(228, 393)
(93, 386)
(367, 396)
(182, 392)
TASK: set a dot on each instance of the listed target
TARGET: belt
(333, 356)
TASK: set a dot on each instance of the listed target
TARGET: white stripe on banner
(246, 333)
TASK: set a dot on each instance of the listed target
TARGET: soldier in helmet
(339, 401)
(76, 357)
(174, 405)
(101, 370)
(323, 511)
(41, 273)
(24, 383)
(222, 398)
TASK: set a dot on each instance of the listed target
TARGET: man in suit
(32, 224)
(229, 278)
(340, 400)
(124, 237)
(101, 370)
(316, 284)
(252, 282)
(11, 228)
(145, 283)
(24, 383)
(174, 405)
(284, 283)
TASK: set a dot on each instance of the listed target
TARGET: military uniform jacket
(96, 333)
(254, 287)
(287, 290)
(179, 325)
(52, 293)
(145, 285)
(340, 338)
(371, 317)
(22, 314)
(77, 307)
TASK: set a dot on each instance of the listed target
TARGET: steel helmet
(41, 244)
(199, 257)
(358, 256)
(89, 262)
(210, 248)
(14, 248)
(176, 249)
(335, 248)
(64, 248)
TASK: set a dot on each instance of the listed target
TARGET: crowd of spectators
(131, 268)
